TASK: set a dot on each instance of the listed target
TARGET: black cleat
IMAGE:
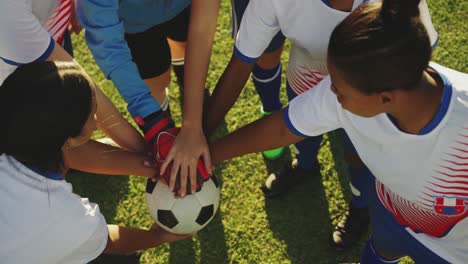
(288, 177)
(353, 225)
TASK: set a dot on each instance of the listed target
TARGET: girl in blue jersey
(134, 43)
(407, 119)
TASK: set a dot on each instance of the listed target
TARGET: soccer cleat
(290, 175)
(272, 154)
(351, 228)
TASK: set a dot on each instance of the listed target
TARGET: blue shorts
(237, 12)
(390, 237)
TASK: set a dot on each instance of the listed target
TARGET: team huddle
(362, 66)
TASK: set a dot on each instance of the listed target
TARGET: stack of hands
(160, 134)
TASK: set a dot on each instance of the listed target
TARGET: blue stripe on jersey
(441, 112)
(327, 2)
(444, 105)
(289, 124)
(14, 63)
(48, 174)
(43, 57)
(48, 51)
(243, 57)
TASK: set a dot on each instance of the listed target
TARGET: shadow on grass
(301, 217)
(341, 166)
(212, 243)
(106, 191)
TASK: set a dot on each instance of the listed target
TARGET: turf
(248, 228)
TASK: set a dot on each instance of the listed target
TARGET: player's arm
(258, 27)
(126, 240)
(312, 113)
(190, 143)
(227, 92)
(267, 133)
(96, 157)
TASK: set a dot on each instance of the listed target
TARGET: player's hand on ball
(177, 183)
(168, 237)
(189, 145)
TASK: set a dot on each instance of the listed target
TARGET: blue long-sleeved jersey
(106, 22)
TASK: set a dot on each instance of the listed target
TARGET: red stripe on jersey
(58, 22)
(461, 150)
(303, 78)
(452, 175)
(419, 218)
(448, 181)
(456, 163)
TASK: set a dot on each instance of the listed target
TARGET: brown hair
(381, 46)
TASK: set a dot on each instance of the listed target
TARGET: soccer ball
(182, 215)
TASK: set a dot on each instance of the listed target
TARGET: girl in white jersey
(308, 25)
(408, 121)
(42, 220)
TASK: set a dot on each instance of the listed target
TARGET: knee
(160, 82)
(270, 60)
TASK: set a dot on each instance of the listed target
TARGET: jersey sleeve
(90, 233)
(105, 38)
(258, 27)
(23, 39)
(314, 112)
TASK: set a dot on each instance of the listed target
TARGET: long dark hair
(42, 104)
(381, 46)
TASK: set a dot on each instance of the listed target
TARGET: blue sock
(307, 151)
(268, 84)
(370, 256)
(360, 179)
(308, 148)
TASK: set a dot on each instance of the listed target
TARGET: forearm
(100, 158)
(113, 124)
(226, 93)
(201, 33)
(126, 240)
(267, 133)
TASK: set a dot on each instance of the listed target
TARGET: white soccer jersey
(43, 221)
(28, 29)
(308, 25)
(421, 179)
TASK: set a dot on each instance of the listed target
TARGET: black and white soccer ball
(182, 215)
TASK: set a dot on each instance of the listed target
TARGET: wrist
(193, 125)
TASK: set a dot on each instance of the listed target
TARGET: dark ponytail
(399, 10)
(381, 46)
(42, 105)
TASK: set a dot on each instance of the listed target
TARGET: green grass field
(248, 228)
